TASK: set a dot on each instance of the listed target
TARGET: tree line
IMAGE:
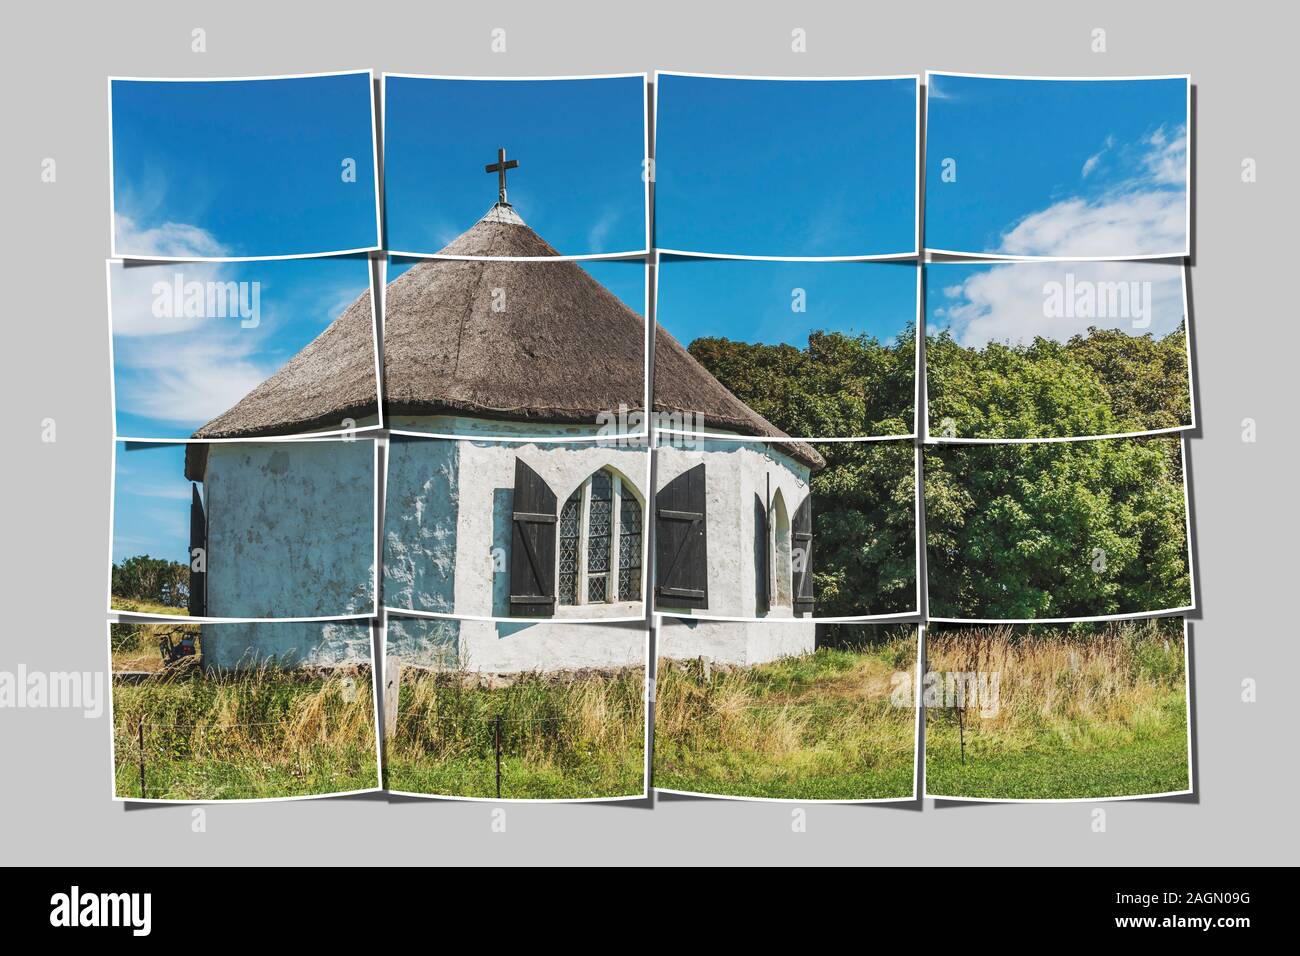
(1067, 529)
(156, 580)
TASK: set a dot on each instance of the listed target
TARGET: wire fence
(504, 736)
(153, 746)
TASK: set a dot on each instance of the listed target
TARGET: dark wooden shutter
(762, 576)
(532, 546)
(198, 539)
(802, 545)
(681, 542)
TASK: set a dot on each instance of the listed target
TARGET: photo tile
(814, 349)
(530, 710)
(787, 168)
(1032, 350)
(566, 155)
(1057, 712)
(516, 531)
(245, 531)
(255, 168)
(242, 712)
(1040, 168)
(786, 533)
(1054, 531)
(512, 349)
(752, 710)
(225, 351)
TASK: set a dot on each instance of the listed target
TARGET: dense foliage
(155, 580)
(1104, 383)
(1067, 529)
(840, 386)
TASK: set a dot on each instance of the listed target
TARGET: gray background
(54, 765)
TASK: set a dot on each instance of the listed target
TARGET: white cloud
(1143, 215)
(1153, 222)
(1166, 160)
(599, 232)
(187, 380)
(1092, 161)
(171, 239)
(1005, 303)
(132, 296)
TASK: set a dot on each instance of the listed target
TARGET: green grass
(562, 737)
(262, 734)
(147, 607)
(819, 726)
(1080, 715)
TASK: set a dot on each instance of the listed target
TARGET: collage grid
(588, 492)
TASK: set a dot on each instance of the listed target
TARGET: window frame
(582, 576)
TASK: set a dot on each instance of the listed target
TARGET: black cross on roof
(500, 167)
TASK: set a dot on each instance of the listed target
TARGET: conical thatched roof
(563, 349)
(333, 378)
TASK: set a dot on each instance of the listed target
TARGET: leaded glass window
(599, 524)
(629, 549)
(600, 542)
(570, 527)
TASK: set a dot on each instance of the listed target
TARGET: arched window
(600, 542)
(779, 553)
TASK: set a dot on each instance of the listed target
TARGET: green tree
(1068, 529)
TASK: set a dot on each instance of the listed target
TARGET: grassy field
(147, 607)
(562, 736)
(820, 726)
(267, 733)
(1081, 712)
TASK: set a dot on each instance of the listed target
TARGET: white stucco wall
(734, 473)
(447, 522)
(288, 643)
(507, 647)
(291, 528)
(743, 643)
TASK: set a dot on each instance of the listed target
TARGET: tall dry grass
(270, 731)
(1072, 682)
(819, 725)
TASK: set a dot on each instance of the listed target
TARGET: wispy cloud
(132, 291)
(186, 380)
(598, 233)
(1094, 160)
(173, 239)
(1005, 303)
(1145, 214)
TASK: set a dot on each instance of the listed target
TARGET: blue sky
(786, 167)
(243, 168)
(173, 375)
(626, 279)
(151, 502)
(580, 146)
(751, 301)
(1014, 302)
(1056, 167)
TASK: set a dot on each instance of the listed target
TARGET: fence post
(392, 696)
(140, 740)
(497, 735)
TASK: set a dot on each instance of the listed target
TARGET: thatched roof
(562, 350)
(333, 378)
(684, 386)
